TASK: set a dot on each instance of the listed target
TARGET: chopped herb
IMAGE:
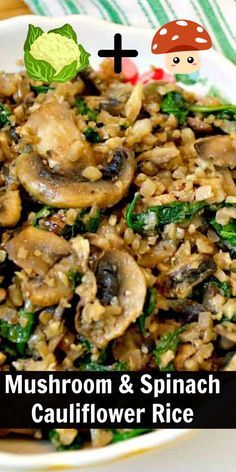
(122, 436)
(168, 342)
(91, 135)
(148, 309)
(37, 89)
(83, 109)
(93, 222)
(75, 277)
(43, 213)
(4, 113)
(84, 223)
(18, 333)
(154, 217)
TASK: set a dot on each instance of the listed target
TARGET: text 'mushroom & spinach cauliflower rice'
(118, 230)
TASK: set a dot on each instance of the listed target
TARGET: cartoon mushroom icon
(181, 41)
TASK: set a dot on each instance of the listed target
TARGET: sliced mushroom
(181, 279)
(222, 149)
(107, 282)
(53, 287)
(210, 297)
(55, 136)
(92, 80)
(199, 126)
(188, 310)
(130, 291)
(10, 208)
(36, 250)
(112, 106)
(72, 191)
(113, 168)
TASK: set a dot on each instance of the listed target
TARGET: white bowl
(25, 454)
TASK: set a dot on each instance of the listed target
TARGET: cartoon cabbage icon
(54, 56)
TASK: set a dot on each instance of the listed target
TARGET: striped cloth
(217, 16)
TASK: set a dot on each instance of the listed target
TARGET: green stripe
(172, 11)
(143, 8)
(38, 7)
(126, 21)
(63, 6)
(72, 7)
(158, 11)
(114, 15)
(227, 25)
(219, 33)
(81, 7)
(99, 9)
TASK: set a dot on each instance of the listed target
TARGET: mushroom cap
(180, 35)
(50, 248)
(69, 191)
(220, 148)
(131, 297)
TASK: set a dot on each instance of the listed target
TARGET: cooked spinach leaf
(175, 103)
(18, 333)
(227, 234)
(75, 277)
(85, 222)
(4, 113)
(37, 89)
(83, 109)
(54, 437)
(157, 216)
(168, 342)
(85, 342)
(96, 367)
(223, 287)
(43, 213)
(148, 309)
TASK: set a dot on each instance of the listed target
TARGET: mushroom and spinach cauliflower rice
(118, 230)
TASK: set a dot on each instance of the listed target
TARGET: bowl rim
(80, 458)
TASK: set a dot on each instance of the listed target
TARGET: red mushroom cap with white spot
(180, 35)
